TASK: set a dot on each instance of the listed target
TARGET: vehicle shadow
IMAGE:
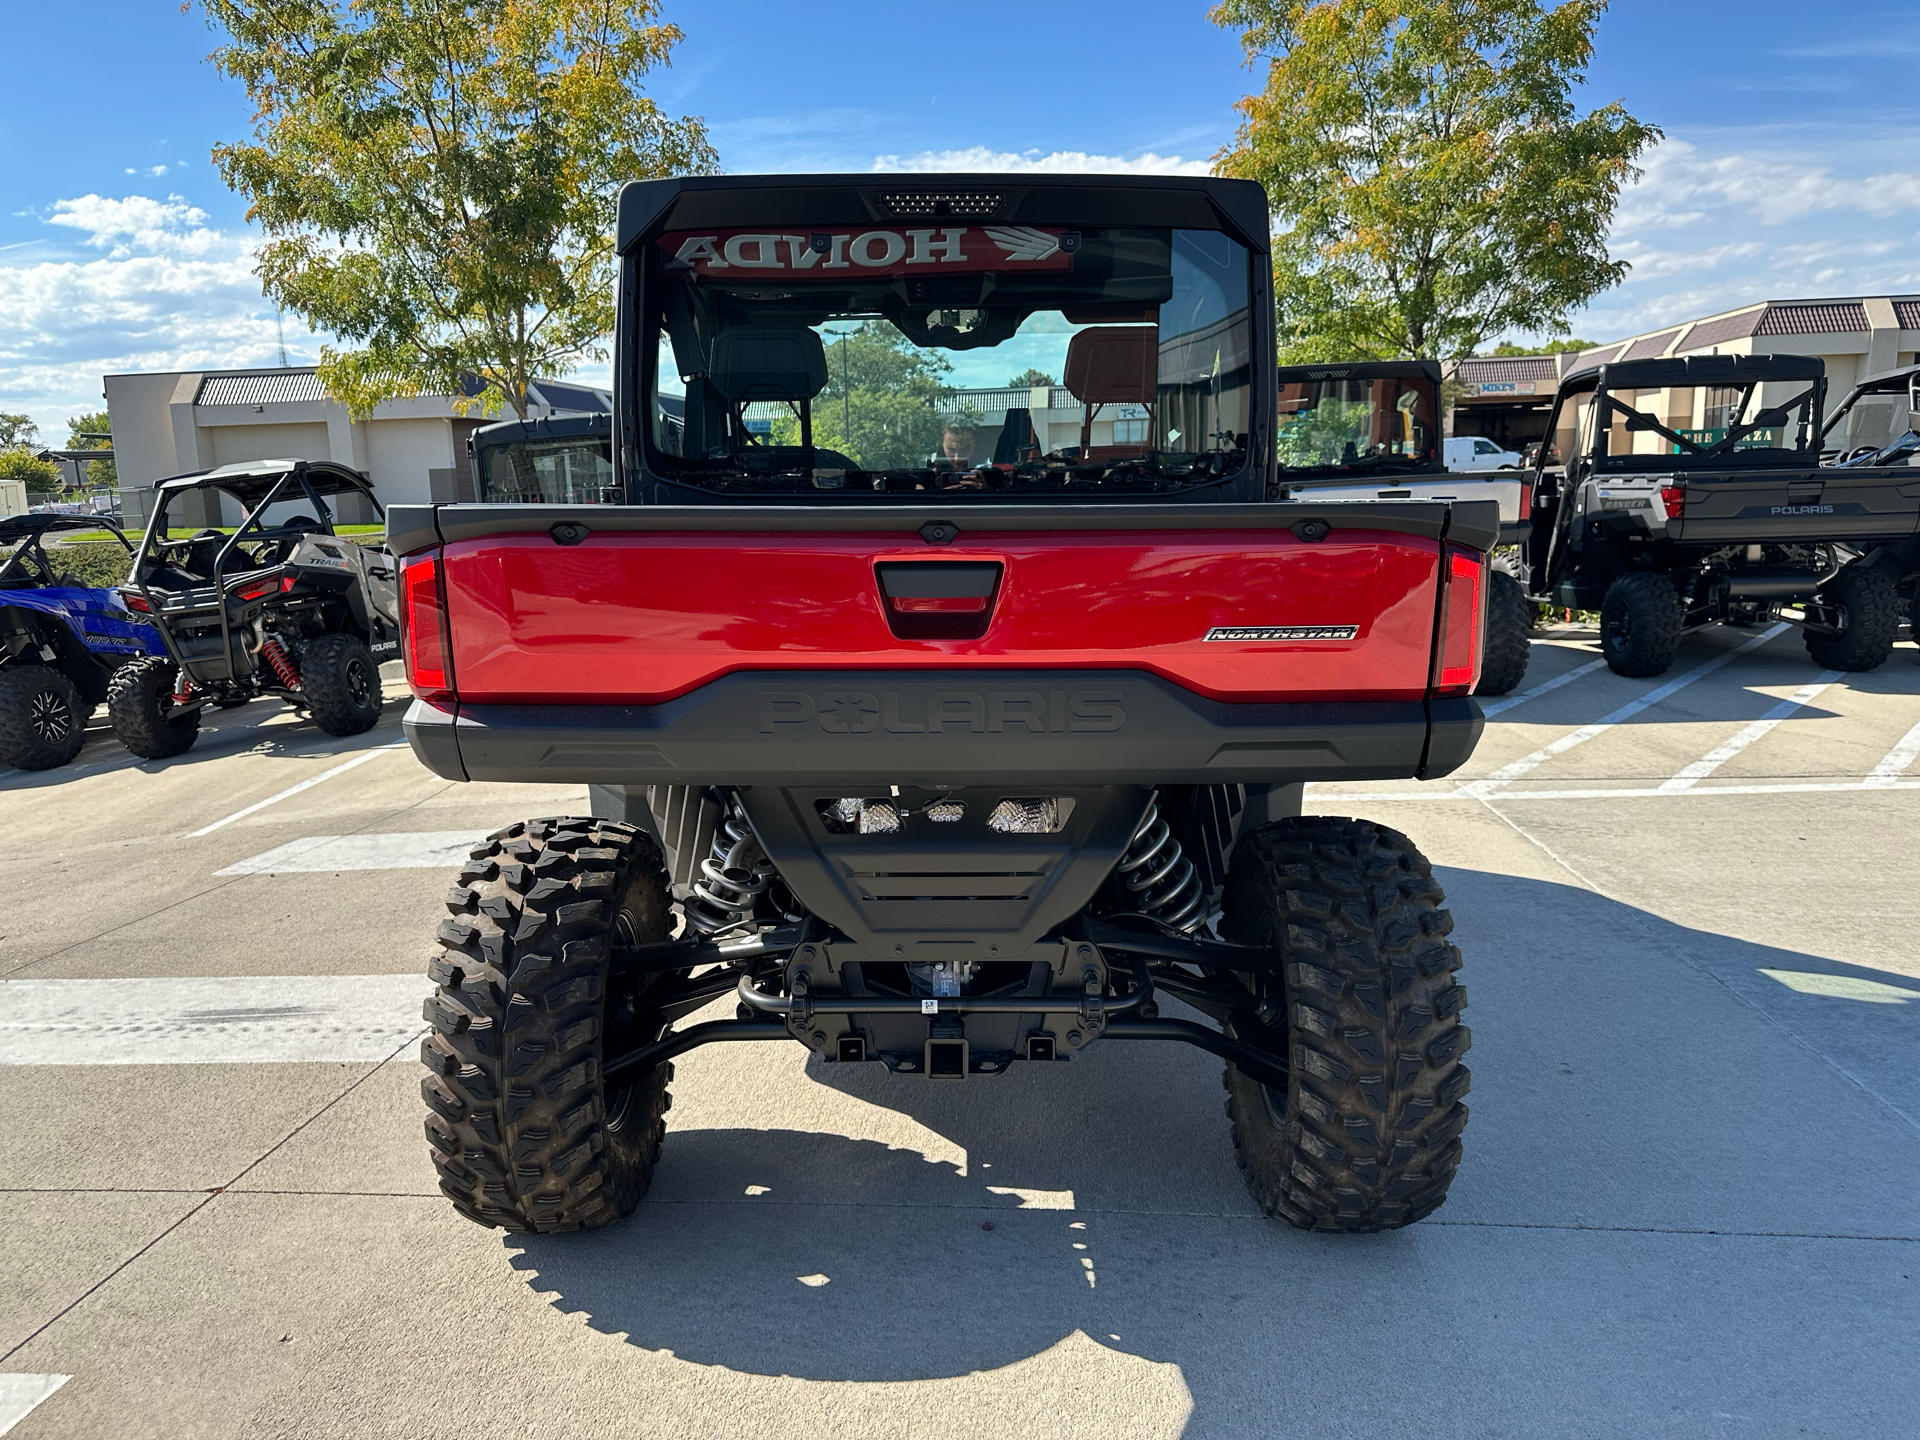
(1621, 1087)
(242, 730)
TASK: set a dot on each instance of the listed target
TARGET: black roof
(16, 528)
(1694, 370)
(1194, 202)
(1364, 370)
(599, 424)
(1886, 382)
(250, 480)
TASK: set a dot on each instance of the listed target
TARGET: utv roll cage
(256, 485)
(1744, 373)
(1903, 380)
(25, 534)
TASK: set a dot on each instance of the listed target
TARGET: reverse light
(1674, 497)
(1462, 622)
(423, 628)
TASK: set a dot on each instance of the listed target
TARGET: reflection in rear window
(1007, 358)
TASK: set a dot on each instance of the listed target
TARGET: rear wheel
(140, 705)
(1366, 1134)
(524, 1131)
(1509, 622)
(341, 682)
(41, 717)
(1640, 624)
(1872, 620)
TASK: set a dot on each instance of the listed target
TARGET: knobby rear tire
(140, 705)
(521, 1126)
(1509, 643)
(1366, 1135)
(1640, 624)
(1873, 621)
(341, 682)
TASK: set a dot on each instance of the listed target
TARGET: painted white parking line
(230, 1019)
(1500, 706)
(1693, 774)
(423, 850)
(1512, 771)
(20, 1393)
(1467, 792)
(1888, 771)
(292, 790)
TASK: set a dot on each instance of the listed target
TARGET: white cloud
(1760, 216)
(172, 291)
(978, 159)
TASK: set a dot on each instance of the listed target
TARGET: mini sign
(842, 254)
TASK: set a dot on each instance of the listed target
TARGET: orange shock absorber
(282, 663)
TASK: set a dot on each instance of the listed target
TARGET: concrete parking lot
(1690, 1204)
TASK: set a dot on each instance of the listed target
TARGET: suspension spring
(733, 877)
(276, 655)
(1160, 876)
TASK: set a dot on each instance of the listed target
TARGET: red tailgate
(641, 618)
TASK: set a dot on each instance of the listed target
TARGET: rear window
(1341, 425)
(1011, 358)
(572, 471)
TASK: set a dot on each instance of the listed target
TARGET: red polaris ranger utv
(940, 723)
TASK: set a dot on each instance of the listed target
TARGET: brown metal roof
(1907, 314)
(1650, 347)
(1724, 328)
(1833, 317)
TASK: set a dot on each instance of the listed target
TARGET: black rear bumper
(868, 728)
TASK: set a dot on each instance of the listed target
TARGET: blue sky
(1791, 165)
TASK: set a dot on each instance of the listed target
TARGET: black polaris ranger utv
(949, 764)
(1370, 430)
(278, 607)
(1694, 495)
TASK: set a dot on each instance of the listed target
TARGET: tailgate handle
(938, 587)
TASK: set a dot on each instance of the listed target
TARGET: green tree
(438, 178)
(17, 430)
(885, 403)
(1029, 378)
(42, 476)
(94, 432)
(1432, 181)
(1551, 347)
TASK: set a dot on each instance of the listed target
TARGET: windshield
(1357, 425)
(572, 471)
(1005, 358)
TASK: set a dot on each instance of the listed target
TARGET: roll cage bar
(26, 532)
(1744, 373)
(273, 484)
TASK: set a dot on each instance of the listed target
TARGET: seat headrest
(1114, 365)
(768, 363)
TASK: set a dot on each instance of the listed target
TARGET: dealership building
(175, 422)
(1508, 400)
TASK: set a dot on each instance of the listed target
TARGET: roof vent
(976, 203)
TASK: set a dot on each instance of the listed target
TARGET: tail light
(1526, 501)
(423, 628)
(136, 602)
(1674, 497)
(1463, 622)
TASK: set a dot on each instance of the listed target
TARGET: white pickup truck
(1370, 430)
